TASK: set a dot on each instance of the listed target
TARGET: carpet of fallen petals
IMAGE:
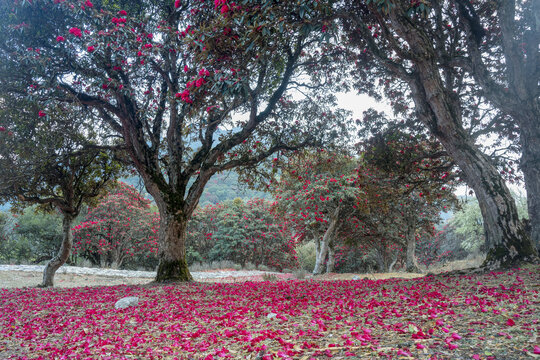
(487, 316)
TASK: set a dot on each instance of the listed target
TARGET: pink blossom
(91, 49)
(41, 113)
(60, 38)
(177, 4)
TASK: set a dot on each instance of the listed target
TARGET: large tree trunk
(172, 259)
(508, 243)
(530, 165)
(63, 254)
(322, 248)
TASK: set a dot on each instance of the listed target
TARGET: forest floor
(476, 316)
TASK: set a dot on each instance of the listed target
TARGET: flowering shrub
(241, 232)
(487, 316)
(120, 229)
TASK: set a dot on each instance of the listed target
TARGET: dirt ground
(20, 279)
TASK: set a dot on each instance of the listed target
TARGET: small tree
(48, 159)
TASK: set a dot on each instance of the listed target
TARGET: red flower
(91, 49)
(41, 113)
(88, 3)
(510, 322)
(75, 32)
(186, 69)
(224, 9)
(177, 4)
(2, 129)
(122, 12)
(60, 38)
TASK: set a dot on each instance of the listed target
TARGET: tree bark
(172, 259)
(530, 165)
(410, 263)
(63, 254)
(331, 262)
(322, 249)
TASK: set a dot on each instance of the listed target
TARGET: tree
(318, 191)
(502, 40)
(420, 182)
(118, 229)
(49, 160)
(194, 88)
(412, 48)
(467, 223)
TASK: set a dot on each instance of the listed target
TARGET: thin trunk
(63, 254)
(411, 263)
(392, 264)
(172, 258)
(322, 249)
(330, 263)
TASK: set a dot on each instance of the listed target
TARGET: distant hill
(225, 186)
(219, 188)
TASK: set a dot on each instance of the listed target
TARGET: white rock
(356, 277)
(126, 302)
(271, 316)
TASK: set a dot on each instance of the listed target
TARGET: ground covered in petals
(487, 316)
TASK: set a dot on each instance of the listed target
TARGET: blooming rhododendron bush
(489, 316)
(192, 88)
(120, 230)
(381, 201)
(242, 232)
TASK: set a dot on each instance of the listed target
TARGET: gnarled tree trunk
(63, 254)
(508, 243)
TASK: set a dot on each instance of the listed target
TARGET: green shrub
(307, 255)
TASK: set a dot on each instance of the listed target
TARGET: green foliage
(241, 232)
(467, 224)
(30, 237)
(306, 253)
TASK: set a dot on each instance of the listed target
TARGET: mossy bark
(173, 271)
(172, 260)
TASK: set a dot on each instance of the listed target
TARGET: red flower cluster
(184, 95)
(118, 21)
(75, 32)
